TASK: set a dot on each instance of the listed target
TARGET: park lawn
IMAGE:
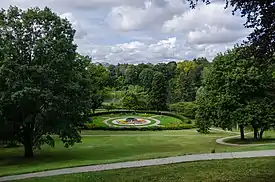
(129, 146)
(166, 120)
(229, 170)
(268, 137)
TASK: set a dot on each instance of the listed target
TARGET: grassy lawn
(166, 120)
(108, 149)
(268, 137)
(229, 170)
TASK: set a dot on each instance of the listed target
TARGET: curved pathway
(142, 163)
(222, 140)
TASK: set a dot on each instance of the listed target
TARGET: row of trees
(160, 84)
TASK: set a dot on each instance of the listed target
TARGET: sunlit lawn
(228, 170)
(131, 145)
(168, 120)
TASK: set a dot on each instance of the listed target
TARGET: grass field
(166, 120)
(123, 146)
(228, 170)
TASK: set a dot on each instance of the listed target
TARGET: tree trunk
(255, 132)
(261, 133)
(28, 149)
(242, 132)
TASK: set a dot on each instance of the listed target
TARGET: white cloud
(170, 49)
(152, 14)
(135, 31)
(210, 24)
(81, 29)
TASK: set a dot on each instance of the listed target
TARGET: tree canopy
(44, 87)
(236, 92)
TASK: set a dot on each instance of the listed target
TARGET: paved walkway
(142, 163)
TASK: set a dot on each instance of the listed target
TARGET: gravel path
(142, 163)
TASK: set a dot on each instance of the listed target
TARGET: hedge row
(182, 118)
(90, 126)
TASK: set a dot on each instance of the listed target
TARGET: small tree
(130, 101)
(44, 88)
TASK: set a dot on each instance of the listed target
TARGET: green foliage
(131, 75)
(44, 87)
(130, 101)
(236, 91)
(187, 109)
(158, 94)
(181, 79)
(146, 78)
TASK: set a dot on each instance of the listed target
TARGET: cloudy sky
(135, 31)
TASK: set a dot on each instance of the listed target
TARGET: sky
(146, 31)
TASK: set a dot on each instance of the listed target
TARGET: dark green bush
(187, 109)
(90, 126)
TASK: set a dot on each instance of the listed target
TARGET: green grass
(268, 137)
(108, 149)
(228, 170)
(166, 120)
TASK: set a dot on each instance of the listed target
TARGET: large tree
(44, 88)
(158, 93)
(236, 91)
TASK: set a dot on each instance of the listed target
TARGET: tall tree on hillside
(131, 75)
(168, 70)
(188, 80)
(44, 89)
(158, 93)
(146, 78)
(237, 91)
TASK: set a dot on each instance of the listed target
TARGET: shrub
(90, 126)
(187, 109)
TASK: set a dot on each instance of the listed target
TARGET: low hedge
(182, 118)
(187, 109)
(90, 126)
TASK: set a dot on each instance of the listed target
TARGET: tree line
(156, 86)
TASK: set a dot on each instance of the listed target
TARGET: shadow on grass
(251, 140)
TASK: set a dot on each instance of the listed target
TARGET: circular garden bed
(134, 121)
